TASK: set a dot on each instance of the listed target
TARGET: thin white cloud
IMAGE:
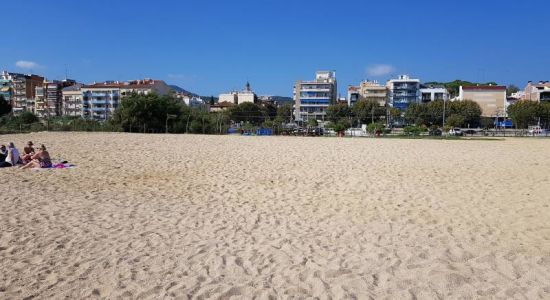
(25, 64)
(380, 70)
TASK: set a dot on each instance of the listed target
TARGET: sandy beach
(191, 216)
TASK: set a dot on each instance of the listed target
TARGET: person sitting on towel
(40, 160)
(28, 152)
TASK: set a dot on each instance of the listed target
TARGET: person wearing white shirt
(12, 158)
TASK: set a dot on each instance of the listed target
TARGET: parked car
(536, 130)
(470, 131)
(435, 132)
(329, 132)
(355, 132)
(455, 132)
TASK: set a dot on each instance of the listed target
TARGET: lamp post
(443, 124)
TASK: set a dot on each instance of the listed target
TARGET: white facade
(100, 100)
(194, 102)
(246, 95)
(229, 98)
(429, 94)
(312, 98)
(72, 101)
(403, 91)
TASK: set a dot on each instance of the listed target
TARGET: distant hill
(178, 89)
(454, 86)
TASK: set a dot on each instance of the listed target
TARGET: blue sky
(210, 47)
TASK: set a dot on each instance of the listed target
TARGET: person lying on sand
(28, 152)
(40, 160)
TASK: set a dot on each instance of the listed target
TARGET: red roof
(485, 87)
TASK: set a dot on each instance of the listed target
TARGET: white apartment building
(100, 100)
(403, 91)
(369, 90)
(433, 93)
(537, 91)
(72, 101)
(312, 98)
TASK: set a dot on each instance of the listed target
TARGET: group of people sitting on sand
(10, 157)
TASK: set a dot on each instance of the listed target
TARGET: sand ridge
(191, 216)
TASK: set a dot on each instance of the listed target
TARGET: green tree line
(526, 113)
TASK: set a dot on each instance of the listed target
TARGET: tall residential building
(49, 98)
(5, 89)
(235, 97)
(433, 93)
(72, 101)
(491, 99)
(403, 91)
(22, 90)
(537, 91)
(368, 90)
(312, 98)
(100, 100)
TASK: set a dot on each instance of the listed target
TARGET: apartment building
(354, 94)
(312, 98)
(21, 90)
(368, 90)
(491, 99)
(100, 100)
(403, 91)
(5, 89)
(537, 91)
(48, 99)
(433, 93)
(72, 101)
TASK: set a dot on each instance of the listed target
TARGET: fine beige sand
(190, 216)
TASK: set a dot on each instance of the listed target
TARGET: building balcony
(100, 102)
(317, 113)
(375, 95)
(325, 90)
(306, 98)
(104, 94)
